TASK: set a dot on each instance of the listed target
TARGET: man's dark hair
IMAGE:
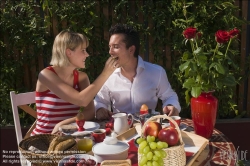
(131, 36)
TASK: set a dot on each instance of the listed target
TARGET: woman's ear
(68, 52)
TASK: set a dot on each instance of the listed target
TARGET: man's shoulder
(153, 66)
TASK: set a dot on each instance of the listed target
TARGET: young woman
(61, 89)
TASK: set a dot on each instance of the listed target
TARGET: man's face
(117, 49)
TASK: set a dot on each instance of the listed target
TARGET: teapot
(121, 122)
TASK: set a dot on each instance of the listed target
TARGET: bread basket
(176, 155)
(42, 142)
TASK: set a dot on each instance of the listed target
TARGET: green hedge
(28, 32)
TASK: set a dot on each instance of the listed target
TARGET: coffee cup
(177, 119)
(99, 135)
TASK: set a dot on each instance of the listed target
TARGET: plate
(78, 158)
(88, 126)
(182, 126)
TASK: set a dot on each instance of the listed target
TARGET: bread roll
(56, 141)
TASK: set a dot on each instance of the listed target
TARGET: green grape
(154, 163)
(149, 163)
(149, 139)
(163, 153)
(155, 158)
(152, 145)
(160, 145)
(140, 150)
(160, 162)
(157, 153)
(150, 155)
(143, 160)
(165, 144)
(143, 144)
(146, 149)
(139, 140)
(153, 138)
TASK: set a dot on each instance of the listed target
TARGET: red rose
(233, 32)
(222, 36)
(190, 33)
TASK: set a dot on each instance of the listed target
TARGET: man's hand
(103, 114)
(170, 110)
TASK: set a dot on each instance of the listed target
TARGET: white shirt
(149, 84)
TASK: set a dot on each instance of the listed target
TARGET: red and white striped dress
(51, 109)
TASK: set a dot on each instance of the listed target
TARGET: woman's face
(78, 56)
(117, 48)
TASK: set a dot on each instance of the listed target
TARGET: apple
(169, 135)
(108, 131)
(152, 129)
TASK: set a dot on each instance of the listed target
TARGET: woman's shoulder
(82, 75)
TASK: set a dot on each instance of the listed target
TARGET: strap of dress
(76, 80)
(51, 69)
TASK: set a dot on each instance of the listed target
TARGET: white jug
(121, 122)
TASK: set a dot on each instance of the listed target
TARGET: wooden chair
(21, 100)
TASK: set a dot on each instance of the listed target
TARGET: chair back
(22, 100)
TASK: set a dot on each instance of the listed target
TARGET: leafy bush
(29, 28)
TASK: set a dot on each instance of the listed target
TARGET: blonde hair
(66, 40)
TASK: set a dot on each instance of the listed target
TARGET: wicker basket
(176, 154)
(42, 142)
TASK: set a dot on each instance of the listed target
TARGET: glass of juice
(85, 145)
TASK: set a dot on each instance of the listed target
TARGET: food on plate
(80, 119)
(144, 109)
(64, 145)
(169, 135)
(151, 151)
(152, 128)
(68, 128)
(56, 141)
(80, 162)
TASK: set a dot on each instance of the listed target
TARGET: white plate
(182, 126)
(88, 126)
(78, 157)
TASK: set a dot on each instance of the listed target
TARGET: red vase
(204, 110)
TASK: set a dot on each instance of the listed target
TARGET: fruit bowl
(90, 160)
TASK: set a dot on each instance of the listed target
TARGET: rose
(222, 36)
(190, 33)
(233, 32)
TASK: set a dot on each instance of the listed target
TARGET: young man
(136, 82)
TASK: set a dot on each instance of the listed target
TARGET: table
(220, 150)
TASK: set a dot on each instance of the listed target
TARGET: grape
(160, 162)
(157, 153)
(143, 144)
(150, 138)
(152, 145)
(150, 155)
(160, 145)
(165, 145)
(146, 149)
(149, 163)
(154, 163)
(163, 153)
(140, 150)
(155, 158)
(143, 160)
(139, 140)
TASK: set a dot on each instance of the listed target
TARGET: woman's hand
(170, 110)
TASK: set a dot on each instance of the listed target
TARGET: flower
(205, 69)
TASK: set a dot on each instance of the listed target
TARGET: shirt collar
(140, 66)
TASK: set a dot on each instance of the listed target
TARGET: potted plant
(205, 69)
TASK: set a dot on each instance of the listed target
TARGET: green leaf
(196, 91)
(198, 50)
(189, 83)
(186, 55)
(229, 81)
(220, 68)
(184, 66)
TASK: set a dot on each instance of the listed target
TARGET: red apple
(109, 125)
(152, 129)
(169, 135)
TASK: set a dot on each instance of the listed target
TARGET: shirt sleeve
(166, 93)
(102, 99)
